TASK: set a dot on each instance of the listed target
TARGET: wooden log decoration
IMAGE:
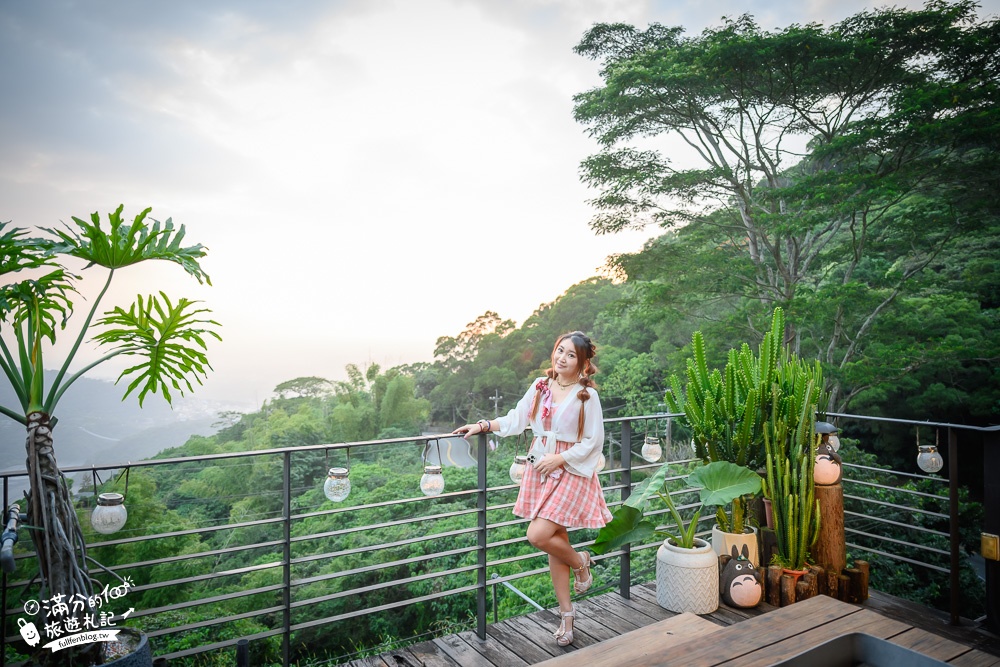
(843, 585)
(768, 545)
(830, 549)
(787, 590)
(812, 585)
(773, 587)
(833, 583)
(857, 582)
(819, 574)
(866, 570)
(802, 590)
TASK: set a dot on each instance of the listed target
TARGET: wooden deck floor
(527, 640)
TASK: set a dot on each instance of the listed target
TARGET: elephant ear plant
(717, 483)
(167, 339)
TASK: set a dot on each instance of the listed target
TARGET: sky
(368, 175)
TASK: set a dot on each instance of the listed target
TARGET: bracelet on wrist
(484, 426)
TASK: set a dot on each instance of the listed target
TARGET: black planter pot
(141, 655)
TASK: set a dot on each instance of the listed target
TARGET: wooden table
(765, 639)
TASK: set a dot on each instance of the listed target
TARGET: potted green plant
(687, 569)
(164, 339)
(726, 412)
(790, 444)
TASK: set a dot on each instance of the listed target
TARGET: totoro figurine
(827, 470)
(740, 582)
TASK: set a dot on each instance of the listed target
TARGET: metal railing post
(955, 536)
(991, 525)
(625, 578)
(481, 538)
(286, 591)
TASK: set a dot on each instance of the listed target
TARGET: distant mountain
(95, 427)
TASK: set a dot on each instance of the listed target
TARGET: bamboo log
(787, 590)
(773, 591)
(830, 549)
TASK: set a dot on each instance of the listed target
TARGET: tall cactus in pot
(726, 410)
(790, 443)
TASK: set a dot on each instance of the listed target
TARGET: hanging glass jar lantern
(432, 481)
(928, 458)
(651, 449)
(110, 514)
(517, 468)
(337, 485)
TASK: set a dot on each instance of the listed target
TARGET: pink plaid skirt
(569, 500)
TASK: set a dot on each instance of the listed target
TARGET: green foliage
(717, 483)
(898, 112)
(790, 443)
(887, 512)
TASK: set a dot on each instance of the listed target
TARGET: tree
(307, 387)
(832, 165)
(167, 338)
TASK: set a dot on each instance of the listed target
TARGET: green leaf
(720, 482)
(649, 488)
(626, 526)
(169, 338)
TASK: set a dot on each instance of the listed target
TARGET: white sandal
(564, 636)
(581, 585)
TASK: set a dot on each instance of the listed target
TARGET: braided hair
(585, 351)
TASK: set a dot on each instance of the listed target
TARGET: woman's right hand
(467, 430)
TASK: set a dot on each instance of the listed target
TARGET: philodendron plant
(717, 483)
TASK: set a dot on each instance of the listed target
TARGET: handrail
(282, 553)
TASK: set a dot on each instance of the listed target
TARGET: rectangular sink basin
(858, 648)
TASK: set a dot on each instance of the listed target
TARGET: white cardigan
(582, 458)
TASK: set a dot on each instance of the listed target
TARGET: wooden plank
(630, 610)
(762, 631)
(492, 650)
(535, 634)
(647, 606)
(637, 648)
(423, 654)
(548, 622)
(646, 598)
(517, 642)
(369, 661)
(614, 622)
(460, 652)
(867, 622)
(935, 646)
(932, 620)
(976, 658)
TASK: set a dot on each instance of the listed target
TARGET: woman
(560, 489)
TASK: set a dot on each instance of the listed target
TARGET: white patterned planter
(687, 579)
(723, 543)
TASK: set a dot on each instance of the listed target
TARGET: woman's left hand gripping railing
(9, 538)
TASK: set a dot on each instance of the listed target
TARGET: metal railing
(290, 565)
